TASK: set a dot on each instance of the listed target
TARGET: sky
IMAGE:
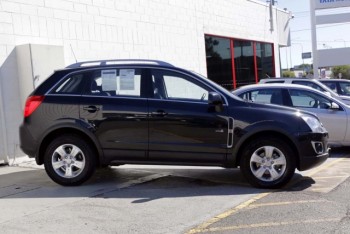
(328, 35)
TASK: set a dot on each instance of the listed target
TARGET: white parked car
(313, 83)
(334, 114)
(340, 86)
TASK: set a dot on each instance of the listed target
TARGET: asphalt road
(159, 199)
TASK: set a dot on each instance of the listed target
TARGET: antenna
(272, 2)
(73, 53)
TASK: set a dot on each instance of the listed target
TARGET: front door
(182, 126)
(335, 121)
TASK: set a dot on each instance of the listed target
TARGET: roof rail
(119, 61)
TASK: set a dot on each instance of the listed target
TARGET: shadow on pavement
(109, 182)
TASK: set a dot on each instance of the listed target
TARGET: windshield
(220, 88)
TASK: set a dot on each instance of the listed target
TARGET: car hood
(278, 108)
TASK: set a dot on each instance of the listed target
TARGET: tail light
(31, 104)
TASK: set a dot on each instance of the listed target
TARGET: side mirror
(334, 106)
(215, 99)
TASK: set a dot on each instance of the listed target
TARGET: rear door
(115, 106)
(183, 127)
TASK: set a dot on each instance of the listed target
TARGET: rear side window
(273, 96)
(115, 82)
(73, 84)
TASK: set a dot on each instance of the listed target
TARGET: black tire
(269, 172)
(73, 153)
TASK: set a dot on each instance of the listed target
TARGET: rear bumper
(309, 156)
(27, 142)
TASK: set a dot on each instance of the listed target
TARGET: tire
(268, 163)
(73, 153)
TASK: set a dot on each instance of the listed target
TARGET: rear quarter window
(73, 84)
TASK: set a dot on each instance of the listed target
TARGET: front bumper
(311, 156)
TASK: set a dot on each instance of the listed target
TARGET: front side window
(175, 86)
(115, 82)
(306, 99)
(331, 85)
(345, 88)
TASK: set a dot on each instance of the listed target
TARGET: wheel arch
(265, 133)
(68, 130)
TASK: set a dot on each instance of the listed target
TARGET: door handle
(91, 109)
(159, 113)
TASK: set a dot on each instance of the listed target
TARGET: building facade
(233, 42)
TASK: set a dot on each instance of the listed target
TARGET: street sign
(306, 55)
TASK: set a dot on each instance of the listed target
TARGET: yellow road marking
(330, 177)
(320, 189)
(284, 203)
(204, 226)
(324, 166)
(272, 224)
(226, 214)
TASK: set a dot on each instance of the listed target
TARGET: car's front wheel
(268, 163)
(69, 160)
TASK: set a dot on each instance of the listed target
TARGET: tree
(288, 74)
(343, 70)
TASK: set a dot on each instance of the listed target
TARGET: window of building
(264, 60)
(219, 60)
(244, 63)
(233, 62)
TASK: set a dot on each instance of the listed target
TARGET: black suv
(149, 112)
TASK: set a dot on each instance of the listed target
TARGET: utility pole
(272, 3)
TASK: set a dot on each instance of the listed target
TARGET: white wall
(171, 30)
(99, 29)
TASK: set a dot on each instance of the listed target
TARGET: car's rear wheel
(268, 163)
(69, 160)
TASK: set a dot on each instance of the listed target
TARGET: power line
(307, 29)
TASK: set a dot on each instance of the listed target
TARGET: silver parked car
(334, 114)
(313, 83)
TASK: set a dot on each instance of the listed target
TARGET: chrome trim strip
(230, 128)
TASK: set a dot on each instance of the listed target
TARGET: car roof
(343, 80)
(117, 62)
(120, 62)
(274, 85)
(286, 78)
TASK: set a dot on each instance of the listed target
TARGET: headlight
(313, 123)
